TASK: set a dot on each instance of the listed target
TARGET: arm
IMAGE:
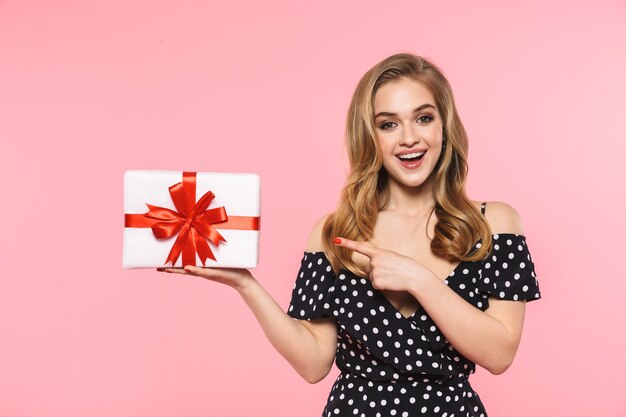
(308, 346)
(488, 338)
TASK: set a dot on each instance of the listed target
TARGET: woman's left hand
(388, 270)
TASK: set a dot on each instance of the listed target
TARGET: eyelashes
(421, 120)
(386, 126)
(425, 119)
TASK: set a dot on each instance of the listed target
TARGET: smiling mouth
(411, 157)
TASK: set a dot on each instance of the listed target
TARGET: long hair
(460, 225)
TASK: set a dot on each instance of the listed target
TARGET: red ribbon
(193, 222)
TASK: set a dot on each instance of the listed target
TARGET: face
(408, 131)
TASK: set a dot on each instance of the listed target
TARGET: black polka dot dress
(392, 365)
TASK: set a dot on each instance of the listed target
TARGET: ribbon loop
(163, 230)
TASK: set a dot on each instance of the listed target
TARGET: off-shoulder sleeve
(508, 272)
(310, 291)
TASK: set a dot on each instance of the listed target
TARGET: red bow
(193, 222)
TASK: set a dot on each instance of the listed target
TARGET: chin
(410, 179)
(405, 178)
(409, 182)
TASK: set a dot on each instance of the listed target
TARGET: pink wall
(90, 89)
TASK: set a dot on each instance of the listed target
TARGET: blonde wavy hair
(366, 192)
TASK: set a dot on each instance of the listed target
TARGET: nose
(409, 137)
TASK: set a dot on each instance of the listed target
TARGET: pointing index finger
(363, 248)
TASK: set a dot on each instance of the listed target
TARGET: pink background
(91, 89)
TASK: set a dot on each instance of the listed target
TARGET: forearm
(310, 356)
(475, 334)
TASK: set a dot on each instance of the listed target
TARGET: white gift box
(149, 203)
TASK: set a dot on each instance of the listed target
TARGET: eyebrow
(420, 108)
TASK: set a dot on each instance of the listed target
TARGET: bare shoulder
(503, 218)
(315, 242)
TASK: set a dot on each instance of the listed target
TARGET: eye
(386, 126)
(425, 119)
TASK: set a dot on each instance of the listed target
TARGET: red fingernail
(337, 240)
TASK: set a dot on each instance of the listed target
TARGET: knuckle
(204, 272)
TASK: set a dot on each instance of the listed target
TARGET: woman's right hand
(236, 278)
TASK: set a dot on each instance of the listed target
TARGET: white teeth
(411, 155)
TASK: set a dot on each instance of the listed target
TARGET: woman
(408, 284)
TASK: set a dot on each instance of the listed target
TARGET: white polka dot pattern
(508, 273)
(380, 352)
(310, 292)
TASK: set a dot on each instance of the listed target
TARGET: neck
(411, 201)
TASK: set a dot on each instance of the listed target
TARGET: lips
(411, 158)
